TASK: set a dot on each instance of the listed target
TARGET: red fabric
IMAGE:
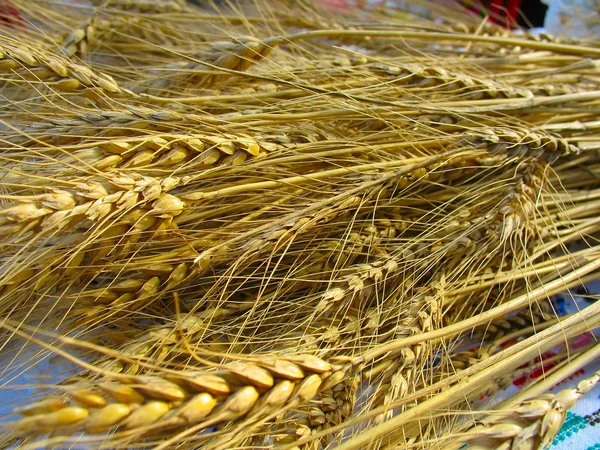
(504, 12)
(335, 5)
(495, 11)
(512, 10)
(10, 15)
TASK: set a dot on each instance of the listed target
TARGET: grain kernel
(106, 417)
(146, 414)
(64, 416)
(44, 406)
(197, 407)
(121, 393)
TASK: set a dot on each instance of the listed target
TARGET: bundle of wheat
(264, 225)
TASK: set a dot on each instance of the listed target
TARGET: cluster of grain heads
(196, 151)
(129, 205)
(237, 55)
(436, 81)
(523, 142)
(23, 63)
(182, 399)
(331, 407)
(360, 283)
(531, 424)
(94, 201)
(135, 150)
(147, 6)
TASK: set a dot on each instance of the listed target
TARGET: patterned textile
(581, 430)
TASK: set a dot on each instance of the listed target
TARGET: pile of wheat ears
(265, 225)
